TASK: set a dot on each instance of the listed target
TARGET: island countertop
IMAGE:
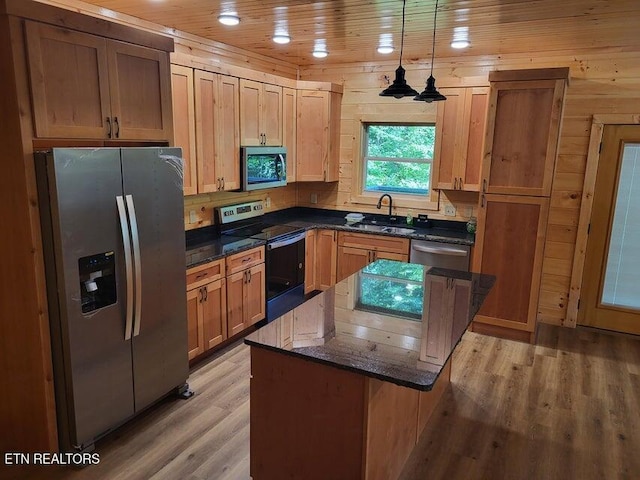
(394, 321)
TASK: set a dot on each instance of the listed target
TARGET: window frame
(425, 116)
(366, 158)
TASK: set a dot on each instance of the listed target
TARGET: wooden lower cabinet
(206, 317)
(326, 253)
(510, 245)
(246, 298)
(310, 261)
(357, 250)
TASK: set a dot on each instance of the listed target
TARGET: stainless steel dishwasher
(439, 254)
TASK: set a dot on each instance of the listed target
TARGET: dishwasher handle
(454, 252)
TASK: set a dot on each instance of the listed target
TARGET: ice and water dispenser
(97, 281)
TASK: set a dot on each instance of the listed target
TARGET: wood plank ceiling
(352, 29)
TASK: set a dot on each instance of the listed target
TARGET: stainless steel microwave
(263, 167)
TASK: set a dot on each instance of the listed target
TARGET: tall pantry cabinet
(521, 143)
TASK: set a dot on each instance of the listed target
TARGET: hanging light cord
(404, 2)
(433, 47)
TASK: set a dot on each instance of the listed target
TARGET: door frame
(586, 206)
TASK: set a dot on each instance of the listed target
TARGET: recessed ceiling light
(385, 49)
(230, 18)
(320, 48)
(281, 38)
(320, 53)
(460, 44)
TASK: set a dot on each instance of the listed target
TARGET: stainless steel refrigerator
(113, 235)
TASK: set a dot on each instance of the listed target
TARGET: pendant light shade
(430, 93)
(399, 88)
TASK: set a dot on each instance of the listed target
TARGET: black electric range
(284, 257)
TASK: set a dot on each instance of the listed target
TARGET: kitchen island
(343, 385)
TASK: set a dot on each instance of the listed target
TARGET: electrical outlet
(193, 217)
(450, 211)
(267, 202)
(314, 198)
(468, 212)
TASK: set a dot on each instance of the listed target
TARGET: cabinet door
(523, 128)
(326, 253)
(399, 257)
(447, 146)
(194, 323)
(206, 97)
(256, 302)
(312, 135)
(184, 125)
(350, 260)
(333, 148)
(473, 132)
(289, 108)
(140, 89)
(214, 313)
(510, 243)
(235, 303)
(228, 131)
(271, 121)
(250, 112)
(69, 82)
(310, 261)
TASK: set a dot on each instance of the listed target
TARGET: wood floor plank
(565, 408)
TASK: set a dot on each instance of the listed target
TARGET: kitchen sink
(384, 228)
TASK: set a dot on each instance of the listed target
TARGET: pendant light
(430, 94)
(399, 87)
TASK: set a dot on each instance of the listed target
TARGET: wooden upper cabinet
(85, 86)
(69, 82)
(206, 93)
(228, 128)
(217, 124)
(460, 129)
(318, 136)
(139, 84)
(260, 113)
(289, 108)
(184, 129)
(523, 128)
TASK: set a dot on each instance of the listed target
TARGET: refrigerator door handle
(138, 267)
(126, 241)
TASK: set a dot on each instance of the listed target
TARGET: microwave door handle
(286, 241)
(283, 171)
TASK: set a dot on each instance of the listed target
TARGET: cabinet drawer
(203, 274)
(376, 243)
(243, 260)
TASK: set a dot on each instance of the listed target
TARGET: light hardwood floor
(566, 408)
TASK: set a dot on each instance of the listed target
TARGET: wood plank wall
(601, 83)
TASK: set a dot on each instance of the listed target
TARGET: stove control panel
(240, 211)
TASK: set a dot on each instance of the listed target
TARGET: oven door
(285, 274)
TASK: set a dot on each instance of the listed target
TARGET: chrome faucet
(379, 206)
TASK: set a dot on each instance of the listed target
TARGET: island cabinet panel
(184, 127)
(330, 445)
(510, 246)
(86, 86)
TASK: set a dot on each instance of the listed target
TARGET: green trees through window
(398, 158)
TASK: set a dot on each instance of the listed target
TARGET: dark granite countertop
(393, 321)
(206, 244)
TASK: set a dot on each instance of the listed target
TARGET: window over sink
(398, 158)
